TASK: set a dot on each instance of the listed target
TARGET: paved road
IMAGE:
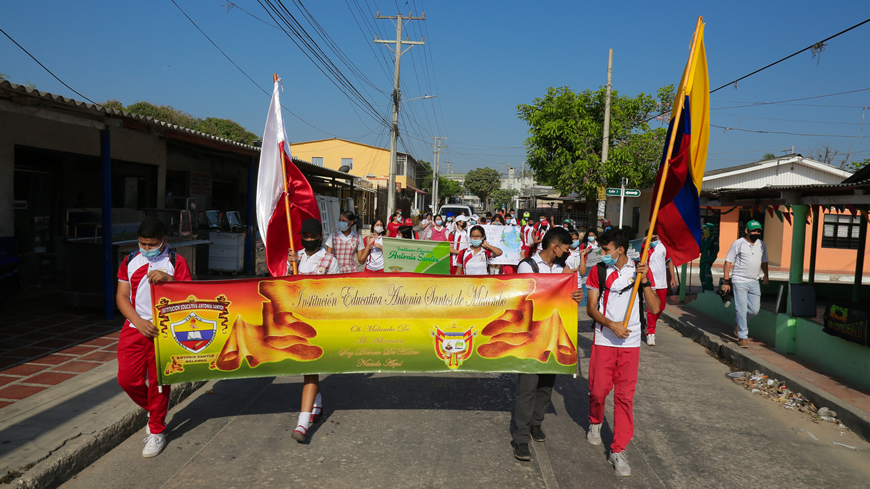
(694, 428)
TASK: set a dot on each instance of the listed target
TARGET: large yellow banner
(401, 322)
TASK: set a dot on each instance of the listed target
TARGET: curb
(855, 419)
(75, 455)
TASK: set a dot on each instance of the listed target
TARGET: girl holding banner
(371, 248)
(474, 260)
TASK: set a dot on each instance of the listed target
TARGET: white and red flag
(284, 196)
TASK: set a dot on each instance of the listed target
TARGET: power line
(756, 104)
(781, 132)
(790, 120)
(811, 46)
(46, 69)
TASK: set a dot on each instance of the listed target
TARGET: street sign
(629, 192)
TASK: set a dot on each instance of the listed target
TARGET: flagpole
(678, 112)
(287, 196)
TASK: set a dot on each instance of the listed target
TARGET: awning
(417, 190)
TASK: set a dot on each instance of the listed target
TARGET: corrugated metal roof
(59, 100)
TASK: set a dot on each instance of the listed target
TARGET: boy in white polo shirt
(615, 354)
(137, 369)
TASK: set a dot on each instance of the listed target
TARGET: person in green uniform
(709, 252)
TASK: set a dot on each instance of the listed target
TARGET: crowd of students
(547, 248)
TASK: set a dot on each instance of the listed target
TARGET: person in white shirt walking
(746, 258)
(314, 260)
(659, 264)
(613, 363)
(534, 390)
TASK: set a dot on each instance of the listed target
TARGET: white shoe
(154, 444)
(593, 436)
(651, 340)
(620, 463)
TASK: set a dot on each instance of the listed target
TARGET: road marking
(543, 459)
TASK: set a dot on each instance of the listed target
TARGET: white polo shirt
(542, 266)
(134, 269)
(475, 263)
(747, 259)
(614, 304)
(658, 264)
(318, 263)
(375, 260)
(460, 242)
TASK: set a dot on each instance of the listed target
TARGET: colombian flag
(678, 223)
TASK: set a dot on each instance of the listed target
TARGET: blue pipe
(108, 266)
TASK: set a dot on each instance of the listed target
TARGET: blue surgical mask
(439, 222)
(342, 226)
(476, 242)
(608, 259)
(575, 244)
(591, 239)
(152, 253)
(449, 219)
(654, 244)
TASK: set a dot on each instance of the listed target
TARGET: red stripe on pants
(135, 363)
(652, 319)
(612, 368)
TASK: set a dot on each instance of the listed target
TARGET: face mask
(608, 259)
(575, 244)
(379, 229)
(449, 219)
(754, 237)
(473, 223)
(476, 242)
(541, 220)
(311, 244)
(342, 226)
(654, 244)
(152, 253)
(591, 239)
(439, 222)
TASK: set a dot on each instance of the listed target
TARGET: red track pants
(652, 319)
(616, 369)
(135, 360)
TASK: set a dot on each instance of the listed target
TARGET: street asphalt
(693, 428)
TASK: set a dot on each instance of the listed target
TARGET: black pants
(533, 400)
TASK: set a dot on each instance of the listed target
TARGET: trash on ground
(775, 390)
(812, 436)
(847, 446)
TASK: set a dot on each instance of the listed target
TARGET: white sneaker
(651, 340)
(593, 436)
(154, 444)
(620, 463)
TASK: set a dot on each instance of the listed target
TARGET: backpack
(602, 286)
(531, 262)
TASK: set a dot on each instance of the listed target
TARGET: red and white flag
(271, 209)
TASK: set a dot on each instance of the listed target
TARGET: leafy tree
(448, 188)
(565, 138)
(223, 128)
(857, 165)
(503, 197)
(768, 156)
(113, 104)
(4, 76)
(482, 182)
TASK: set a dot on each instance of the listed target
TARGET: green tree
(503, 197)
(4, 76)
(768, 156)
(565, 138)
(482, 182)
(448, 188)
(857, 165)
(223, 128)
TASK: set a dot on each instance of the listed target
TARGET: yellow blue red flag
(678, 220)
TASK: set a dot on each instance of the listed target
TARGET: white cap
(461, 218)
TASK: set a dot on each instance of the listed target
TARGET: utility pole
(606, 142)
(436, 179)
(397, 95)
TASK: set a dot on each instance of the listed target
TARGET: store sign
(847, 322)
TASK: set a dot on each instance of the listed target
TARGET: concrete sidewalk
(851, 403)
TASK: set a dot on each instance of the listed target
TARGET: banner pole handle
(678, 112)
(286, 197)
(156, 343)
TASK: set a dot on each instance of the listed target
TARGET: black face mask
(311, 244)
(754, 237)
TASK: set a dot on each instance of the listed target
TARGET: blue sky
(481, 59)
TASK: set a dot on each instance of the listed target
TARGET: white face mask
(379, 229)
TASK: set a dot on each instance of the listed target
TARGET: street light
(394, 136)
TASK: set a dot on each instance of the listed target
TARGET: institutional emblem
(194, 333)
(454, 347)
